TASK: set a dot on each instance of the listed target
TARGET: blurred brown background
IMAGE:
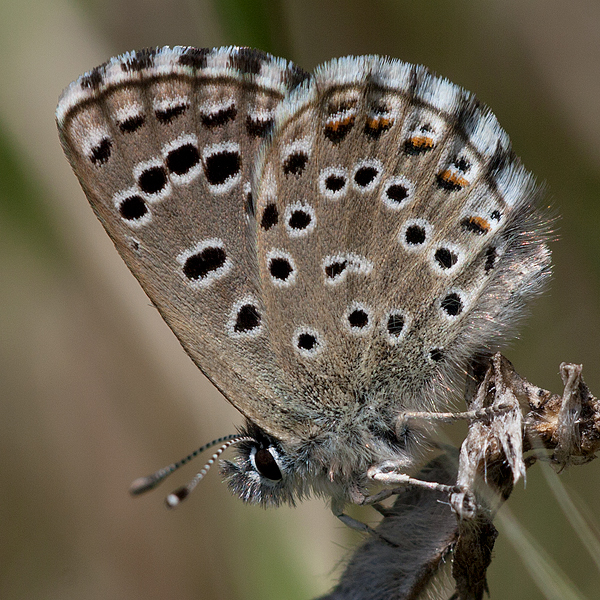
(96, 391)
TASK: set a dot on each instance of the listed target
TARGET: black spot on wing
(199, 265)
(194, 57)
(140, 60)
(219, 167)
(93, 79)
(101, 153)
(180, 160)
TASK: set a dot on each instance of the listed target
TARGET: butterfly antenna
(176, 497)
(143, 484)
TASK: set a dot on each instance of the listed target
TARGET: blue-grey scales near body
(330, 249)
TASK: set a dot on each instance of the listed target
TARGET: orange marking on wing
(453, 179)
(421, 141)
(379, 123)
(335, 124)
(479, 223)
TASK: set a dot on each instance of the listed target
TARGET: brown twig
(432, 532)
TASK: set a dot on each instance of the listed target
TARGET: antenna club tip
(144, 484)
(175, 498)
(141, 485)
(171, 501)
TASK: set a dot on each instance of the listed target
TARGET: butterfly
(331, 249)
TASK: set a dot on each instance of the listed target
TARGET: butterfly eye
(264, 462)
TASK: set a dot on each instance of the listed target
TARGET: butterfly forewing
(164, 144)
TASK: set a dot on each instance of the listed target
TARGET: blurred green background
(96, 391)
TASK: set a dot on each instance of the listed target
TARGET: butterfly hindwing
(386, 212)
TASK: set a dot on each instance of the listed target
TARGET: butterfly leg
(388, 474)
(360, 526)
(479, 414)
(357, 497)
